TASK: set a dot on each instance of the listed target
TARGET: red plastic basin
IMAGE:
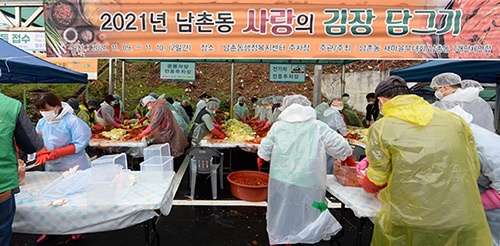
(249, 185)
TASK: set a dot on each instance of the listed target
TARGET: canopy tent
(18, 66)
(481, 71)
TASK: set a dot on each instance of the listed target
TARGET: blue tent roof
(18, 66)
(482, 71)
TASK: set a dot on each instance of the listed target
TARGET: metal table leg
(151, 235)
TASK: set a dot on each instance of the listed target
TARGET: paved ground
(226, 223)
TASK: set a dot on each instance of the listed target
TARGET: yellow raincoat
(428, 159)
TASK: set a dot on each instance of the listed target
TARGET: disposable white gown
(265, 113)
(297, 145)
(105, 115)
(69, 130)
(468, 99)
(487, 144)
(334, 120)
(183, 124)
(182, 111)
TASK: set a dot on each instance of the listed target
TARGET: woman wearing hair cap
(105, 116)
(203, 123)
(296, 145)
(450, 93)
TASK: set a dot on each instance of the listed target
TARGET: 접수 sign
(287, 73)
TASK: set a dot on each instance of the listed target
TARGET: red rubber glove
(264, 128)
(219, 127)
(63, 151)
(263, 123)
(145, 132)
(44, 155)
(98, 127)
(260, 162)
(362, 166)
(142, 119)
(490, 199)
(241, 118)
(218, 133)
(350, 161)
(369, 186)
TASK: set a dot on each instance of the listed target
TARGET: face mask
(49, 116)
(345, 98)
(370, 103)
(438, 94)
(241, 104)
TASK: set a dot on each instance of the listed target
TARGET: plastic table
(144, 202)
(364, 205)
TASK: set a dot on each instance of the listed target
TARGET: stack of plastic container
(105, 184)
(157, 162)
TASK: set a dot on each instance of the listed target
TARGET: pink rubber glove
(118, 120)
(116, 125)
(145, 132)
(362, 166)
(490, 199)
(217, 126)
(138, 116)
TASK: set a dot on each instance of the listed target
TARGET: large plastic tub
(162, 150)
(249, 185)
(156, 168)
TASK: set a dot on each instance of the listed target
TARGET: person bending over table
(65, 137)
(203, 123)
(163, 126)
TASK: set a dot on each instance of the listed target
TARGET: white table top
(226, 144)
(361, 202)
(102, 143)
(34, 215)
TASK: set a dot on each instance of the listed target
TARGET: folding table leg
(151, 236)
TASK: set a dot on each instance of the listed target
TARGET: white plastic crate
(162, 150)
(105, 168)
(155, 169)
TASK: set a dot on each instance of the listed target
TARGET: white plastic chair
(202, 161)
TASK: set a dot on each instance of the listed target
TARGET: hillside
(251, 80)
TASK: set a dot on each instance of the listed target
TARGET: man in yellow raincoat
(427, 161)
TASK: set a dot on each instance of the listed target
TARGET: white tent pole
(123, 82)
(497, 107)
(110, 79)
(318, 75)
(342, 81)
(232, 91)
(87, 92)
